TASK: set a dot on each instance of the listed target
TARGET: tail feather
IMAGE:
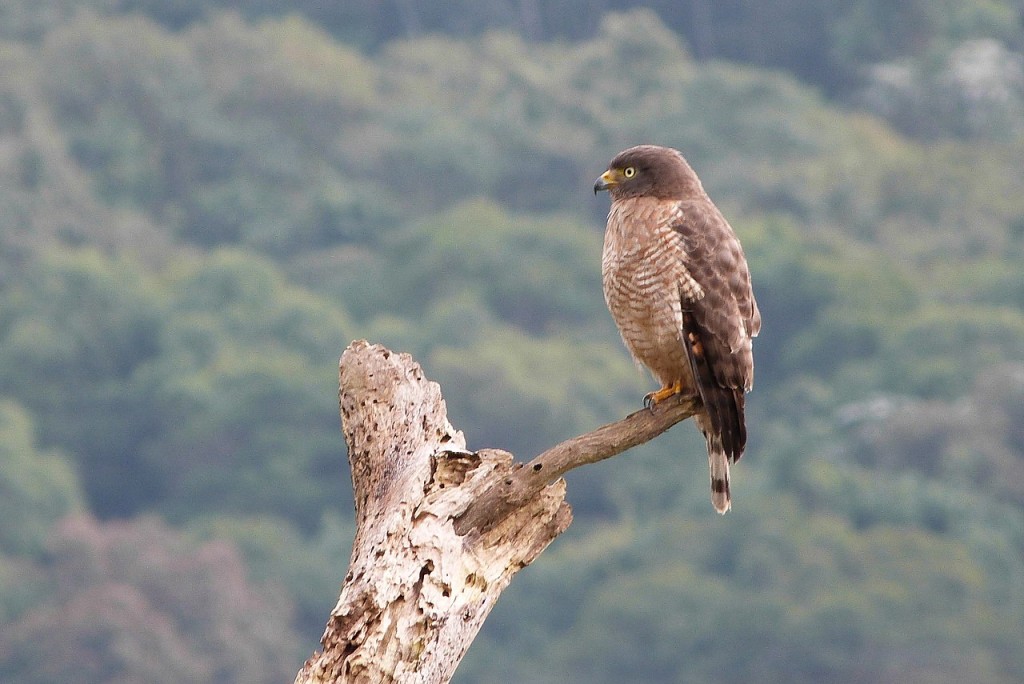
(722, 421)
(721, 497)
(725, 407)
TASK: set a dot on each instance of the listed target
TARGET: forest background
(202, 203)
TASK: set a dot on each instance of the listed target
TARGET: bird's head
(648, 171)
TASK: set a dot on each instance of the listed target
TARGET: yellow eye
(629, 172)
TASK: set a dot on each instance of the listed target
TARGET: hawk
(676, 283)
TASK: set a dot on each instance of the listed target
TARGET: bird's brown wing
(718, 326)
(724, 405)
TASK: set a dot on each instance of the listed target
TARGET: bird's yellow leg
(651, 399)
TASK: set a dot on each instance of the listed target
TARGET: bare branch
(609, 440)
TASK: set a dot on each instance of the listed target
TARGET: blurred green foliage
(204, 202)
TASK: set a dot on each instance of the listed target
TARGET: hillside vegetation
(201, 206)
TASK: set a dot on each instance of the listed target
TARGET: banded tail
(725, 446)
(722, 422)
(721, 498)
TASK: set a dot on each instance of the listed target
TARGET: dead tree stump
(440, 530)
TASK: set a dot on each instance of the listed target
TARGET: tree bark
(440, 530)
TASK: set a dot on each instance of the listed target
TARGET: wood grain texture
(441, 530)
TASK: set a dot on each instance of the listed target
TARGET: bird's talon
(652, 399)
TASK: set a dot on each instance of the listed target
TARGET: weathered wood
(504, 496)
(440, 530)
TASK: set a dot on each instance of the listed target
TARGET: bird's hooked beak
(608, 179)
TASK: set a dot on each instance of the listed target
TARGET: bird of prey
(677, 284)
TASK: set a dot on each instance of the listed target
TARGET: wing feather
(717, 326)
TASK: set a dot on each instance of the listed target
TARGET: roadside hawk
(676, 283)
